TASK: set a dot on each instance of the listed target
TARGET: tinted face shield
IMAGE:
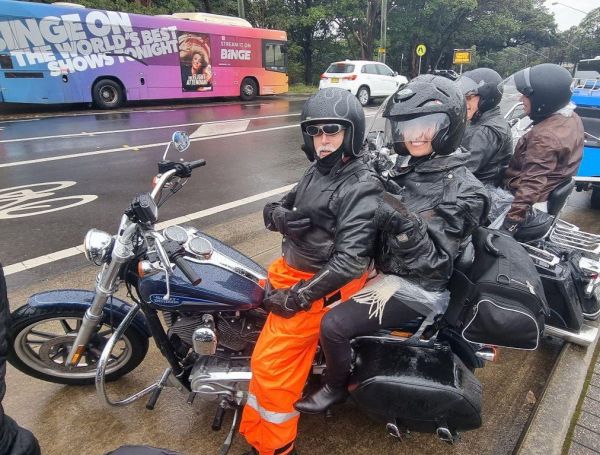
(419, 129)
(523, 82)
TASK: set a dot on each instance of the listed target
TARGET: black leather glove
(290, 222)
(392, 216)
(510, 227)
(286, 302)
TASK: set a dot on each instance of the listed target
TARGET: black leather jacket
(489, 140)
(448, 203)
(341, 205)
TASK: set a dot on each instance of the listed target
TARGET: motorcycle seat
(558, 197)
(464, 261)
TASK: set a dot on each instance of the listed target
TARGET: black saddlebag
(418, 388)
(503, 298)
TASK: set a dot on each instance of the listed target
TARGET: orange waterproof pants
(281, 363)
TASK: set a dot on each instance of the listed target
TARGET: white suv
(362, 78)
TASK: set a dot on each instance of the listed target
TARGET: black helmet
(433, 97)
(484, 82)
(548, 87)
(334, 105)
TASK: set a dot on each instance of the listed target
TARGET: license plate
(335, 80)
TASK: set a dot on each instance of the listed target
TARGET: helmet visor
(419, 129)
(467, 86)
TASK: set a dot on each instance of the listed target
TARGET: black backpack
(500, 301)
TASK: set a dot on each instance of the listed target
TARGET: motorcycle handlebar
(197, 163)
(187, 270)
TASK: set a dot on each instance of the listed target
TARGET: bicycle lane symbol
(37, 199)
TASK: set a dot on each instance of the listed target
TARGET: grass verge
(302, 89)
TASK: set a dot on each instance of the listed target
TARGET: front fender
(82, 299)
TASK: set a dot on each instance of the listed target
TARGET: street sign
(462, 56)
(421, 49)
(382, 50)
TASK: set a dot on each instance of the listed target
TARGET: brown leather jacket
(544, 157)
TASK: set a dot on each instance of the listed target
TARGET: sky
(567, 17)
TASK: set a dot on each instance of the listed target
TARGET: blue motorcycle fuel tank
(221, 289)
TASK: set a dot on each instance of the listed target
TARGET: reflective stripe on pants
(281, 363)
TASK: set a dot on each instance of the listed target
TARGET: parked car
(364, 79)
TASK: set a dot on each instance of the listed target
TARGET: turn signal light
(155, 180)
(350, 78)
(323, 76)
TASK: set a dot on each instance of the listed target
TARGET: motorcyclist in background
(548, 154)
(328, 237)
(432, 206)
(487, 137)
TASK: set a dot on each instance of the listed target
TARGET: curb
(550, 423)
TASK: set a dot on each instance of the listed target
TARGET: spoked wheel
(41, 339)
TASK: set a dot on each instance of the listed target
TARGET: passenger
(328, 237)
(488, 137)
(547, 154)
(436, 205)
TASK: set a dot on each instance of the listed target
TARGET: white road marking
(73, 251)
(24, 120)
(135, 148)
(145, 146)
(212, 129)
(127, 130)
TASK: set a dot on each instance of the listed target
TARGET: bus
(65, 53)
(587, 73)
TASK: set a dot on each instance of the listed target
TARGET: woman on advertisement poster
(194, 58)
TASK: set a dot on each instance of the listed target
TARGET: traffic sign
(462, 56)
(382, 50)
(421, 49)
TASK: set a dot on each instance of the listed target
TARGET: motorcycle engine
(233, 332)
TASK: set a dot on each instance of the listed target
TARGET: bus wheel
(107, 94)
(248, 90)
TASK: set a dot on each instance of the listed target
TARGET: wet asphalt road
(240, 164)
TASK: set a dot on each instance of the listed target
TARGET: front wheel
(41, 338)
(248, 89)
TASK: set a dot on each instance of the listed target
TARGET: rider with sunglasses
(432, 206)
(328, 236)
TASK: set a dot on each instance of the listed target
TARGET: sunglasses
(329, 130)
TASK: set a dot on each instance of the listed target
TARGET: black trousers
(351, 319)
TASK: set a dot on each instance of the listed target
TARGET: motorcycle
(567, 258)
(210, 298)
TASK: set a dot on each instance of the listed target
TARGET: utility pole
(241, 11)
(383, 34)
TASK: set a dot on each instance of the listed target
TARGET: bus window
(275, 56)
(6, 62)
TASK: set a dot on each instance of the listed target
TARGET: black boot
(322, 399)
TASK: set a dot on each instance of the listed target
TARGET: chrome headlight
(97, 246)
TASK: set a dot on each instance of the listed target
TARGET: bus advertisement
(67, 54)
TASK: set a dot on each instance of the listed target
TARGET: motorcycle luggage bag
(506, 304)
(561, 293)
(420, 388)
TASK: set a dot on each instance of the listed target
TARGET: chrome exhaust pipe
(586, 335)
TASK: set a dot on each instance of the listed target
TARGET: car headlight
(97, 246)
